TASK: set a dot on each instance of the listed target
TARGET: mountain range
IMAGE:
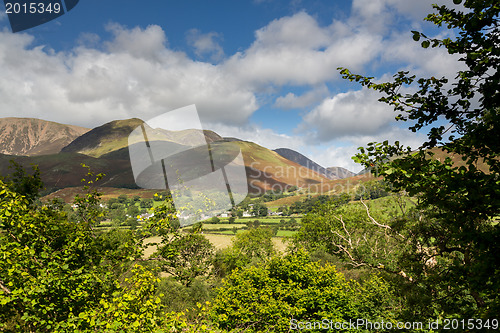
(59, 150)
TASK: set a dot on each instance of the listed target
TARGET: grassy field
(217, 226)
(267, 219)
(218, 241)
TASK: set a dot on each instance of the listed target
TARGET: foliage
(177, 297)
(267, 297)
(363, 237)
(251, 246)
(309, 203)
(53, 269)
(21, 182)
(134, 307)
(185, 256)
(146, 203)
(451, 244)
(371, 189)
(272, 195)
(259, 210)
(61, 275)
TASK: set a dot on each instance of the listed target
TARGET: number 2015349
(32, 8)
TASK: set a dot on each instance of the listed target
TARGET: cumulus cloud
(351, 113)
(400, 48)
(146, 43)
(136, 75)
(263, 136)
(296, 50)
(293, 101)
(206, 44)
(340, 154)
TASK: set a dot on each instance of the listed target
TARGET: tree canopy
(453, 226)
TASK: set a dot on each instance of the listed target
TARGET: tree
(251, 246)
(186, 256)
(273, 297)
(146, 203)
(123, 199)
(259, 210)
(133, 210)
(54, 269)
(23, 183)
(451, 251)
(61, 275)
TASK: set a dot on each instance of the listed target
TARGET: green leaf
(416, 36)
(425, 44)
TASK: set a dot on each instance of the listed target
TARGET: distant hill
(30, 136)
(105, 149)
(267, 169)
(341, 173)
(113, 137)
(298, 158)
(64, 169)
(103, 139)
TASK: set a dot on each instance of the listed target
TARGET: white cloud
(379, 14)
(351, 113)
(340, 154)
(335, 156)
(401, 48)
(296, 50)
(292, 101)
(206, 44)
(262, 136)
(146, 43)
(137, 76)
(298, 31)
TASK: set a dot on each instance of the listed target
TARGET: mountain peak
(300, 159)
(32, 136)
(113, 137)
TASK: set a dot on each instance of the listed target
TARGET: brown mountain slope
(30, 136)
(267, 170)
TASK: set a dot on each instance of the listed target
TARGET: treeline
(61, 274)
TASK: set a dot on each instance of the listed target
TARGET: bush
(266, 297)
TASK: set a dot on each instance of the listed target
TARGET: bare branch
(4, 288)
(375, 222)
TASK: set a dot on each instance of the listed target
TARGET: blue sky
(261, 70)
